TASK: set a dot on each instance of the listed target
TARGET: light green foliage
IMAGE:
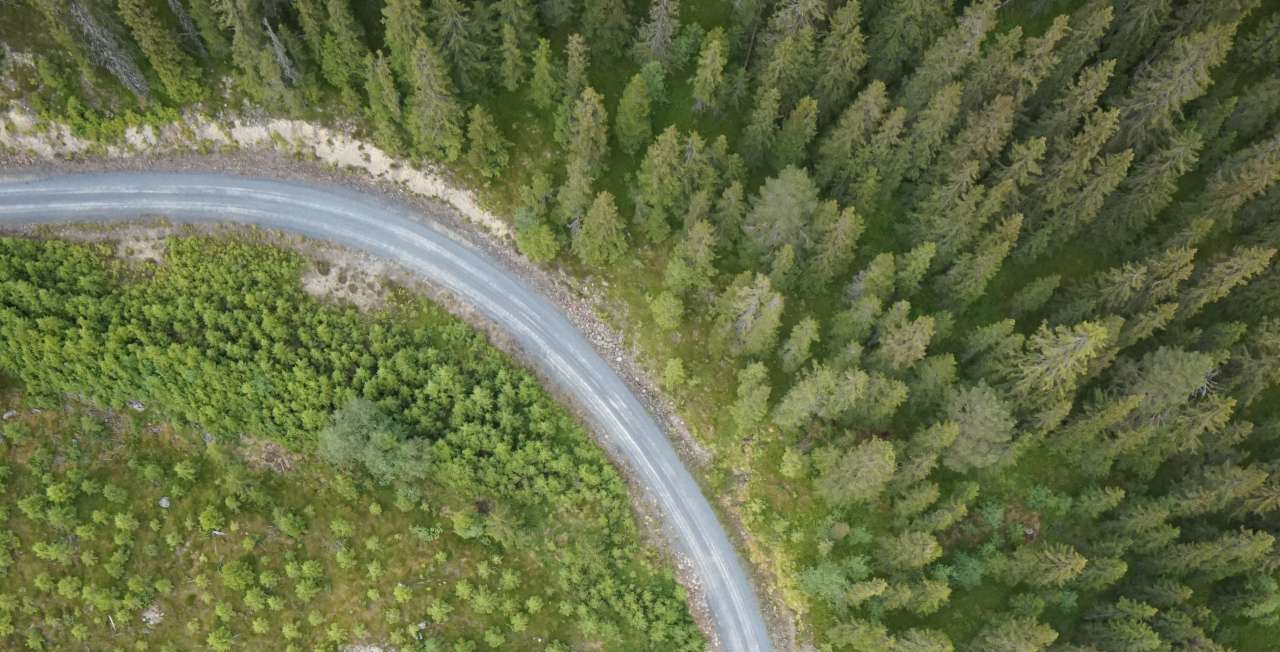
(309, 553)
(177, 71)
(632, 126)
(361, 437)
(857, 475)
(543, 86)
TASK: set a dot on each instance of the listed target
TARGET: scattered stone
(153, 616)
(164, 502)
(137, 406)
(9, 414)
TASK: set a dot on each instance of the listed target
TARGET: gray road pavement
(380, 228)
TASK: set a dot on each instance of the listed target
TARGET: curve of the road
(393, 232)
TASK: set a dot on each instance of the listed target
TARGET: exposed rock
(153, 616)
(9, 414)
(164, 502)
(137, 406)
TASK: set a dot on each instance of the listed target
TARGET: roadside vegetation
(381, 479)
(975, 303)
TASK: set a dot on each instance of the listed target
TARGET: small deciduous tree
(361, 436)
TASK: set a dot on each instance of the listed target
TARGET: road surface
(393, 232)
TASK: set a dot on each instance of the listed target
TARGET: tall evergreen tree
(456, 33)
(747, 316)
(795, 135)
(762, 128)
(948, 56)
(433, 117)
(487, 149)
(632, 126)
(607, 24)
(385, 110)
(841, 57)
(658, 32)
(403, 22)
(709, 77)
(1176, 76)
(176, 70)
(600, 239)
(343, 51)
(544, 88)
(898, 32)
(513, 63)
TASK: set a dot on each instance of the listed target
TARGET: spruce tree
(176, 70)
(343, 52)
(658, 32)
(403, 23)
(762, 128)
(837, 245)
(798, 347)
(948, 56)
(607, 24)
(659, 185)
(600, 239)
(589, 131)
(747, 316)
(752, 402)
(1216, 281)
(795, 135)
(385, 110)
(692, 263)
(544, 88)
(487, 149)
(577, 63)
(1176, 76)
(513, 64)
(837, 148)
(1148, 190)
(1088, 25)
(709, 77)
(433, 116)
(633, 126)
(789, 65)
(457, 35)
(1076, 102)
(898, 32)
(841, 58)
(1055, 358)
(924, 138)
(209, 25)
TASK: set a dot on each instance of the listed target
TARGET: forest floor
(584, 302)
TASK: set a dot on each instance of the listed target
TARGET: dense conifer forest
(975, 303)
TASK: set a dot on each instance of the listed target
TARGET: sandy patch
(336, 277)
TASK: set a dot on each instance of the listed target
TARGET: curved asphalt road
(388, 231)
